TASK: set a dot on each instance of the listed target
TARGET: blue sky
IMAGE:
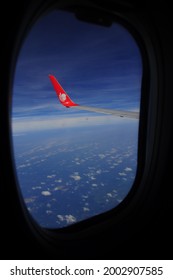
(97, 66)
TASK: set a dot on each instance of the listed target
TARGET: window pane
(75, 164)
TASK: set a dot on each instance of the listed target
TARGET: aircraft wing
(125, 114)
(66, 101)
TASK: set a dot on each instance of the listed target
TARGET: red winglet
(62, 95)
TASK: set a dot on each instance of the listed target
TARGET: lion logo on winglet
(62, 97)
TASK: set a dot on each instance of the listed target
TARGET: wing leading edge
(66, 101)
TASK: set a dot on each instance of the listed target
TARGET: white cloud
(109, 195)
(128, 169)
(122, 174)
(49, 212)
(68, 218)
(86, 209)
(26, 124)
(36, 188)
(46, 193)
(23, 165)
(85, 196)
(76, 176)
(30, 199)
(58, 181)
(51, 176)
(60, 217)
(102, 156)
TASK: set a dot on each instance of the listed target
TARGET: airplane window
(75, 118)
